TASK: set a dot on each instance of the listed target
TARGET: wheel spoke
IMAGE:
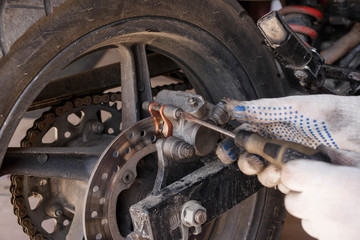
(142, 77)
(129, 96)
(135, 83)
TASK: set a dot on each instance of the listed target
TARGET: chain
(43, 123)
(32, 135)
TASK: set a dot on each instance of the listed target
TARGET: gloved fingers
(309, 228)
(297, 204)
(250, 164)
(298, 175)
(282, 188)
(270, 176)
(227, 151)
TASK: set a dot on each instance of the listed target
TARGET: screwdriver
(277, 152)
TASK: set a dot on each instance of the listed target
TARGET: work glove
(316, 120)
(323, 195)
(309, 120)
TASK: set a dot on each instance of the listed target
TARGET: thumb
(298, 175)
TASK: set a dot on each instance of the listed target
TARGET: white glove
(309, 120)
(326, 198)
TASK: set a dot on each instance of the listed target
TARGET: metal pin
(208, 125)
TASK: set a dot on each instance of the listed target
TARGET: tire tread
(17, 16)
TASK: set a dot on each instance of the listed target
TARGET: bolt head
(188, 151)
(59, 212)
(300, 74)
(42, 158)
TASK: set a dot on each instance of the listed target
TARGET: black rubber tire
(245, 68)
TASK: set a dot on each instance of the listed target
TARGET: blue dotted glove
(309, 120)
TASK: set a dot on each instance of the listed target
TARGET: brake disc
(115, 172)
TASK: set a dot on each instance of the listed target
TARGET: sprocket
(47, 208)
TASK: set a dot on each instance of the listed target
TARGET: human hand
(310, 120)
(325, 197)
(327, 121)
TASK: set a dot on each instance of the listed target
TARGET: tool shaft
(209, 125)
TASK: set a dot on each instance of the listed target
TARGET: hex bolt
(193, 215)
(42, 158)
(97, 127)
(200, 217)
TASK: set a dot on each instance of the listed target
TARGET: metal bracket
(159, 216)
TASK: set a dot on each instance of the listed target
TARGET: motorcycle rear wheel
(215, 43)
